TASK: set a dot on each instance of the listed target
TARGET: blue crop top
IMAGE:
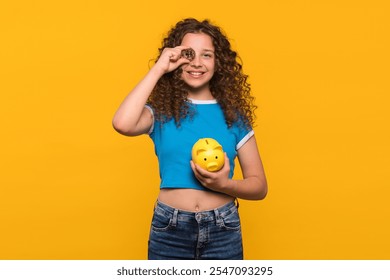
(173, 145)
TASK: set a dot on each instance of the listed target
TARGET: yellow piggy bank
(208, 154)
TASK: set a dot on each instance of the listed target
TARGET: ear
(218, 147)
(200, 151)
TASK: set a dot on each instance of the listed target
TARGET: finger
(226, 163)
(196, 173)
(178, 60)
(194, 168)
(169, 53)
(180, 48)
(203, 172)
(176, 52)
(187, 53)
(173, 56)
(192, 164)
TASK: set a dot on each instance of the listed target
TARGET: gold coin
(188, 54)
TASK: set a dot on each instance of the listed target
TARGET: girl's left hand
(215, 181)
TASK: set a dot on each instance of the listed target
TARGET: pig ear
(200, 151)
(218, 147)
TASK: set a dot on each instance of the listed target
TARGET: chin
(197, 84)
(197, 87)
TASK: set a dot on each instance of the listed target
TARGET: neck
(200, 94)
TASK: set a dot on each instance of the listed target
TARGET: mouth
(195, 74)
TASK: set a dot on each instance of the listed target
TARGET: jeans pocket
(161, 222)
(232, 221)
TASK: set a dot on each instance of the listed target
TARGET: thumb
(227, 161)
(226, 158)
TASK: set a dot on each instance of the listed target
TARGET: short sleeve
(243, 133)
(244, 139)
(147, 106)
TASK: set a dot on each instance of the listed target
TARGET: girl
(180, 100)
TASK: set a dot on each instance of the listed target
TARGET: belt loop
(218, 218)
(174, 218)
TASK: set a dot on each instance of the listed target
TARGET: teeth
(196, 73)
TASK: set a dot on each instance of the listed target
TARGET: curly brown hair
(228, 85)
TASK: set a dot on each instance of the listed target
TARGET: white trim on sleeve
(245, 139)
(151, 111)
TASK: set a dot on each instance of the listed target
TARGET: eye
(205, 159)
(216, 157)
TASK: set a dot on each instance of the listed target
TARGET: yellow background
(72, 188)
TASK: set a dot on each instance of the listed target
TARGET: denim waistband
(205, 216)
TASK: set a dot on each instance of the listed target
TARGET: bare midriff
(193, 200)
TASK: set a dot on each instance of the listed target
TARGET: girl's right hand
(170, 59)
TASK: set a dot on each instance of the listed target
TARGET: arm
(132, 118)
(252, 187)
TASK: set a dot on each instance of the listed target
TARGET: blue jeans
(207, 235)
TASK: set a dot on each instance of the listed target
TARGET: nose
(196, 61)
(212, 166)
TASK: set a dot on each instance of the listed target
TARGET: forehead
(198, 41)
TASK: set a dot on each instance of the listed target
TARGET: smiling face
(199, 71)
